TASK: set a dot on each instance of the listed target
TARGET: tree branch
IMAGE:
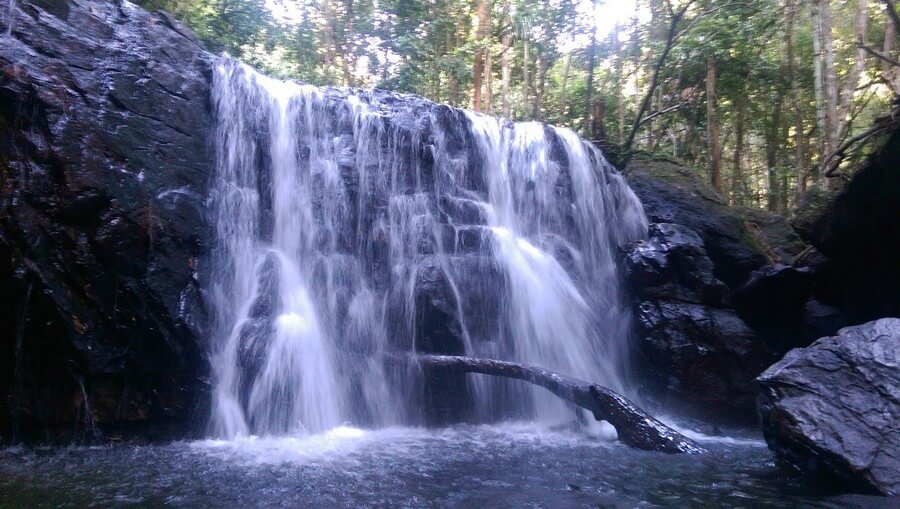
(671, 35)
(663, 111)
(877, 54)
(833, 161)
(635, 427)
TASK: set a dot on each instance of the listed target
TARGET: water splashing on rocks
(351, 225)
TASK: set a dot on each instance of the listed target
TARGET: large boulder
(695, 353)
(672, 193)
(104, 156)
(832, 410)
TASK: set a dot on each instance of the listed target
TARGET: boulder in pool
(832, 410)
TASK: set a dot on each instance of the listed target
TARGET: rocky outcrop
(672, 193)
(104, 158)
(695, 352)
(672, 265)
(832, 410)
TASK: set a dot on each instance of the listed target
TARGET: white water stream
(350, 225)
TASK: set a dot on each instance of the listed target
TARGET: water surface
(510, 465)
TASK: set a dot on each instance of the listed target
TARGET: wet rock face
(104, 123)
(672, 264)
(832, 410)
(675, 194)
(696, 353)
(702, 360)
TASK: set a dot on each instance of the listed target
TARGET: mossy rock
(739, 239)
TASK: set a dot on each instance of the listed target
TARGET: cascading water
(354, 226)
(566, 318)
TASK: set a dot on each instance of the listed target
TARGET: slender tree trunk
(620, 97)
(346, 47)
(488, 81)
(589, 85)
(478, 69)
(860, 31)
(539, 92)
(504, 59)
(689, 150)
(563, 97)
(772, 139)
(801, 142)
(330, 44)
(454, 78)
(831, 90)
(783, 135)
(526, 76)
(335, 48)
(737, 173)
(889, 71)
(654, 78)
(822, 104)
(712, 123)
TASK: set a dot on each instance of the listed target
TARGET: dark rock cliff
(694, 350)
(104, 160)
(858, 232)
(782, 284)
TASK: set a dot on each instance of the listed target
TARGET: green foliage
(428, 47)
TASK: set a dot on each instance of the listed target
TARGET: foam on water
(411, 443)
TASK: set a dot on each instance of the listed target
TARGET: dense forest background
(767, 97)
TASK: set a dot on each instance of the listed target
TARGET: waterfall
(352, 225)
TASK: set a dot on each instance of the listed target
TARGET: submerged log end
(638, 429)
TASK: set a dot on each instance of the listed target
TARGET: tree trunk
(772, 142)
(346, 46)
(860, 30)
(889, 71)
(712, 124)
(526, 76)
(478, 69)
(539, 92)
(801, 142)
(330, 44)
(454, 79)
(822, 105)
(634, 426)
(589, 85)
(831, 90)
(488, 80)
(335, 50)
(504, 60)
(737, 174)
(563, 98)
(620, 97)
(654, 78)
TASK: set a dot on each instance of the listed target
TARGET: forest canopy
(765, 97)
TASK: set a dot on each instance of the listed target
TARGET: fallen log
(635, 427)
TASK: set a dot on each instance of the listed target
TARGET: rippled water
(464, 466)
